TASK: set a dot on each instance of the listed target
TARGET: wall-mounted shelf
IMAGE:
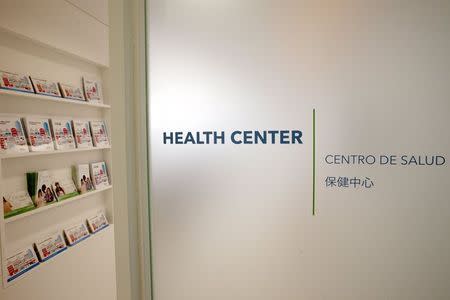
(55, 205)
(52, 99)
(39, 153)
(58, 51)
(84, 245)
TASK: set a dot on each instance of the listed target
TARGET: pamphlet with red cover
(20, 263)
(16, 82)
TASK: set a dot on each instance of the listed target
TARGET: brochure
(93, 90)
(45, 87)
(97, 222)
(12, 135)
(20, 263)
(99, 134)
(39, 135)
(63, 185)
(76, 234)
(71, 92)
(63, 134)
(16, 199)
(99, 175)
(16, 203)
(50, 246)
(40, 188)
(82, 132)
(82, 177)
(17, 82)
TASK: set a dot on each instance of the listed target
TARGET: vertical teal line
(314, 165)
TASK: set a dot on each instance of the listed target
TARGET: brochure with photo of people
(71, 92)
(40, 188)
(45, 87)
(16, 82)
(97, 222)
(20, 263)
(99, 133)
(16, 203)
(99, 175)
(93, 90)
(82, 132)
(82, 177)
(39, 134)
(50, 246)
(63, 185)
(16, 199)
(76, 234)
(12, 135)
(63, 134)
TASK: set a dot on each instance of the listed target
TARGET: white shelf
(52, 99)
(38, 153)
(30, 57)
(55, 205)
(85, 245)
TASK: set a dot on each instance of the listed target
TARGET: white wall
(117, 78)
(33, 42)
(79, 30)
(97, 253)
(234, 222)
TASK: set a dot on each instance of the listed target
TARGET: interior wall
(47, 41)
(235, 221)
(80, 30)
(118, 86)
(65, 51)
(128, 72)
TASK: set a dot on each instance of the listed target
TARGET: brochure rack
(33, 58)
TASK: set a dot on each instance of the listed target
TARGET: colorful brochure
(99, 133)
(16, 82)
(12, 135)
(20, 263)
(16, 203)
(71, 92)
(63, 134)
(93, 90)
(63, 185)
(38, 133)
(46, 87)
(50, 246)
(16, 199)
(82, 177)
(76, 234)
(40, 188)
(82, 133)
(99, 175)
(97, 222)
